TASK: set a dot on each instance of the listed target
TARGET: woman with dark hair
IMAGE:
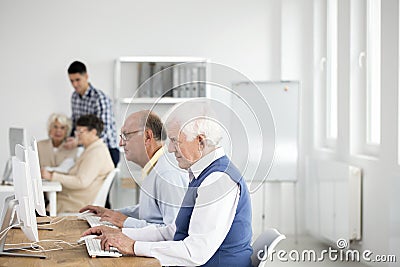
(84, 179)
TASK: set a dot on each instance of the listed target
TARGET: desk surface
(68, 230)
(48, 186)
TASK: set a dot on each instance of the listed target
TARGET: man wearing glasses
(213, 226)
(163, 186)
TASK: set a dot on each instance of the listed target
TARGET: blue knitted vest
(235, 250)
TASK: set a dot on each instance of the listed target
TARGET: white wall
(296, 64)
(39, 39)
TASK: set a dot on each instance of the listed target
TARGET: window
(332, 56)
(326, 73)
(373, 112)
(365, 77)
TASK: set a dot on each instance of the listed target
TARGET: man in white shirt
(213, 226)
(163, 186)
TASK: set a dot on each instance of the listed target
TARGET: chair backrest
(266, 241)
(105, 188)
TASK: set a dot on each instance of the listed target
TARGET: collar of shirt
(94, 144)
(205, 161)
(152, 162)
(88, 92)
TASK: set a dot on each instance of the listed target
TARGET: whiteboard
(283, 99)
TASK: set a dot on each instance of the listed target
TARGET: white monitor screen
(24, 193)
(36, 177)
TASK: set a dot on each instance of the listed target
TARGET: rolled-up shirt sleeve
(132, 211)
(133, 220)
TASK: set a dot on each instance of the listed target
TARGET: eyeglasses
(125, 136)
(81, 131)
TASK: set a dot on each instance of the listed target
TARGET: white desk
(49, 187)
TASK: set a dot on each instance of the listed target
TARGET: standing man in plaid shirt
(88, 100)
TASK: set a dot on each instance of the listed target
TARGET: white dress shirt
(212, 217)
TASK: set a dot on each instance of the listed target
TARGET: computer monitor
(33, 159)
(15, 136)
(24, 193)
(23, 203)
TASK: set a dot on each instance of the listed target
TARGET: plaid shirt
(96, 102)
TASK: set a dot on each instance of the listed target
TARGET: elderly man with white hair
(213, 226)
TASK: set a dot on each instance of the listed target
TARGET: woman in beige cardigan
(84, 179)
(51, 151)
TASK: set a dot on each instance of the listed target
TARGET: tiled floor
(306, 243)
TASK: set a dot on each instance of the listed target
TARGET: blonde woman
(51, 151)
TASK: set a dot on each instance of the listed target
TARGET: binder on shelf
(175, 81)
(194, 84)
(182, 82)
(144, 74)
(201, 72)
(157, 82)
(167, 81)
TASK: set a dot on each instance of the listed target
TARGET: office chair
(105, 188)
(101, 197)
(267, 240)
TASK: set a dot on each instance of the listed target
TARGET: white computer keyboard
(95, 221)
(94, 249)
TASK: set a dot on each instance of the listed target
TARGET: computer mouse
(83, 238)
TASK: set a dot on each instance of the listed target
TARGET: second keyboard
(95, 221)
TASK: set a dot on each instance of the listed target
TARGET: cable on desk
(52, 221)
(35, 247)
(5, 231)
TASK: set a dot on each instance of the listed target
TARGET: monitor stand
(6, 219)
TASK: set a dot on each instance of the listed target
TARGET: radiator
(339, 199)
(355, 203)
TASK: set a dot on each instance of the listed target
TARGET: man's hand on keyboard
(111, 237)
(119, 241)
(114, 217)
(99, 211)
(100, 230)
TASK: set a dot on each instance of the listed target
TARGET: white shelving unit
(130, 73)
(159, 94)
